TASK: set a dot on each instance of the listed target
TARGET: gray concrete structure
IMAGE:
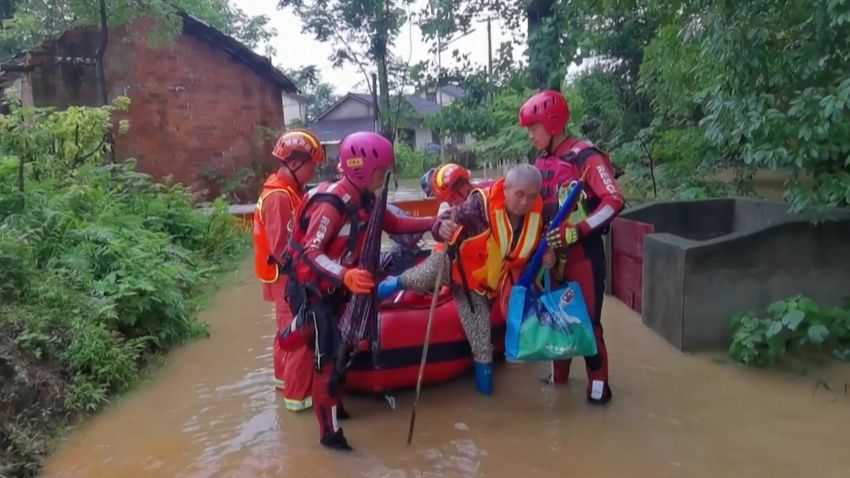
(711, 259)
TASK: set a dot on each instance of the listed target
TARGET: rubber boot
(342, 413)
(599, 393)
(388, 287)
(336, 441)
(484, 377)
(326, 405)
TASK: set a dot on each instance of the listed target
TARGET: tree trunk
(539, 65)
(21, 161)
(387, 127)
(379, 49)
(101, 76)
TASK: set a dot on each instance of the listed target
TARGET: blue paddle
(530, 272)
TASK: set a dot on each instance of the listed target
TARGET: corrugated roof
(330, 131)
(453, 90)
(423, 106)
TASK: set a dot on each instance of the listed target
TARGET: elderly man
(492, 234)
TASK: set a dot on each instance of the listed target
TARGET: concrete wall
(750, 271)
(446, 98)
(692, 286)
(294, 110)
(698, 219)
(423, 137)
(193, 105)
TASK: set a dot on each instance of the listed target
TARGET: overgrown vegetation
(101, 272)
(678, 91)
(411, 163)
(25, 23)
(791, 328)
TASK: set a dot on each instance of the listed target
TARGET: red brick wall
(192, 105)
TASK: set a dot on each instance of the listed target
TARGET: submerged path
(211, 412)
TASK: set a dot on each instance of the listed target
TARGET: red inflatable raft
(391, 361)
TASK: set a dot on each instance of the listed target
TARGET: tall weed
(102, 267)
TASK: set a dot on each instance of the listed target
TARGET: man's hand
(564, 236)
(548, 258)
(358, 281)
(447, 229)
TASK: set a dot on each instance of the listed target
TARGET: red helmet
(300, 142)
(446, 177)
(548, 108)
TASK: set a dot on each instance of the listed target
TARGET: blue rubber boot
(388, 287)
(484, 377)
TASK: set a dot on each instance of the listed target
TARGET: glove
(388, 287)
(358, 281)
(562, 237)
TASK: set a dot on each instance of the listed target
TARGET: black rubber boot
(336, 441)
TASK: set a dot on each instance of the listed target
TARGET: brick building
(198, 106)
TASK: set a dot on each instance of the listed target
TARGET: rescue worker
(322, 257)
(450, 184)
(578, 243)
(493, 233)
(300, 153)
(425, 182)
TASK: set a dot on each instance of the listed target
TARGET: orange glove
(358, 281)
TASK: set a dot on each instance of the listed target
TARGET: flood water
(211, 411)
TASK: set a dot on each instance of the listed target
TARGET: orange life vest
(265, 265)
(485, 259)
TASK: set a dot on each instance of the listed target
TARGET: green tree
(317, 94)
(362, 33)
(780, 92)
(27, 22)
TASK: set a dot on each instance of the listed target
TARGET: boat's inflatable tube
(391, 361)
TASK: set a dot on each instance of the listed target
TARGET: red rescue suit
(293, 374)
(327, 238)
(584, 261)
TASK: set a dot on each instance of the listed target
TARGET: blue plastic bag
(549, 324)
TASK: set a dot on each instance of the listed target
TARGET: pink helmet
(548, 108)
(362, 153)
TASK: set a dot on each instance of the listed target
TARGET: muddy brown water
(211, 411)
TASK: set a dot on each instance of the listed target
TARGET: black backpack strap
(581, 157)
(331, 199)
(342, 208)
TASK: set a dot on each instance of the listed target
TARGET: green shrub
(101, 266)
(411, 163)
(794, 327)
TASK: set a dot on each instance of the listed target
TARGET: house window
(458, 138)
(408, 136)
